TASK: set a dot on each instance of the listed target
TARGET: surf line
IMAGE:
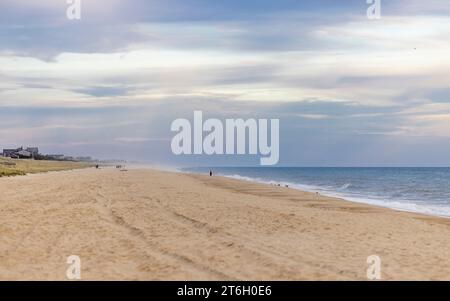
(233, 134)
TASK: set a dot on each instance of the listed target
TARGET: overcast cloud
(348, 90)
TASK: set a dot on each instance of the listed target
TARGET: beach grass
(15, 167)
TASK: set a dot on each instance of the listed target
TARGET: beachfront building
(21, 153)
(34, 151)
(11, 152)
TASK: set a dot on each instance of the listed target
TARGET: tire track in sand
(152, 248)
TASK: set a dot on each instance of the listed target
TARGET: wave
(345, 186)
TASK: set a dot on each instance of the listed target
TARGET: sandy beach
(155, 225)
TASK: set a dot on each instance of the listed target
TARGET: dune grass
(13, 167)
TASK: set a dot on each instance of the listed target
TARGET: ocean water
(424, 190)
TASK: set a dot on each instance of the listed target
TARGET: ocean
(415, 189)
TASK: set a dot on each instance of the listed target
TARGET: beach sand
(154, 225)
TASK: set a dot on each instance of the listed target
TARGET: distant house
(34, 151)
(23, 154)
(16, 153)
(11, 153)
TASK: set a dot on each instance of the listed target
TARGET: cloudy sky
(348, 91)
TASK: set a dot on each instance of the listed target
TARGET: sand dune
(153, 225)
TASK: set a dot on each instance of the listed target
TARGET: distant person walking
(210, 173)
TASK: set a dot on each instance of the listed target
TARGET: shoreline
(312, 192)
(145, 224)
(291, 186)
(371, 201)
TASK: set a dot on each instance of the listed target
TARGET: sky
(348, 90)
